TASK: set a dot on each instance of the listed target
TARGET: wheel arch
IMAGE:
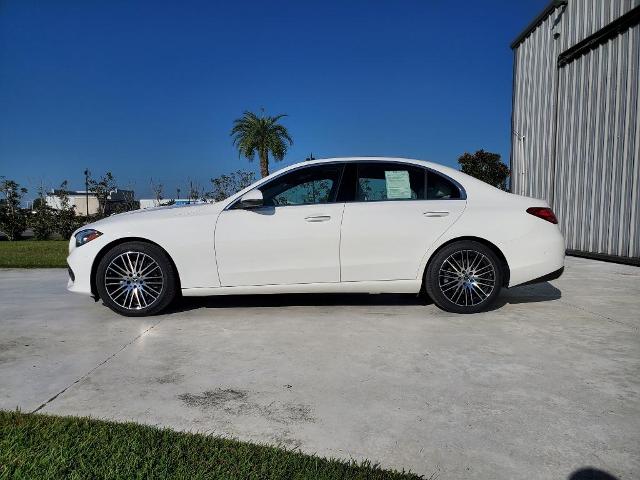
(103, 251)
(505, 265)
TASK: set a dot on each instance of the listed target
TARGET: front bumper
(80, 262)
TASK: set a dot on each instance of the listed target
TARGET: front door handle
(432, 213)
(318, 218)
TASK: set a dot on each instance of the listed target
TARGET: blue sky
(150, 88)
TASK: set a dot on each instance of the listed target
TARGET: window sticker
(397, 184)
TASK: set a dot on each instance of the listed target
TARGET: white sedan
(372, 225)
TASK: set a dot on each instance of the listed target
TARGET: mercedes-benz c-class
(367, 225)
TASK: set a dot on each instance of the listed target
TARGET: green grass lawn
(47, 447)
(33, 254)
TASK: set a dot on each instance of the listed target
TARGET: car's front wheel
(464, 277)
(136, 279)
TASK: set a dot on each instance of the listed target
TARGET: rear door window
(441, 188)
(389, 182)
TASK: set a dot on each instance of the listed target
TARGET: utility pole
(86, 188)
(177, 193)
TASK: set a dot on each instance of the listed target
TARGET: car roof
(453, 173)
(367, 159)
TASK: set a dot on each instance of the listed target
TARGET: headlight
(85, 236)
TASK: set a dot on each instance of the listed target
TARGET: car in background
(367, 224)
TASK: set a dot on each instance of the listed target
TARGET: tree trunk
(264, 163)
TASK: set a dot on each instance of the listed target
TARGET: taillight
(543, 213)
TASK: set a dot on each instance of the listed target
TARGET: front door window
(305, 186)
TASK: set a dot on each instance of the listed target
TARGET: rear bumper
(545, 278)
(536, 255)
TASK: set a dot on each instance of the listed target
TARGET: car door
(293, 238)
(396, 213)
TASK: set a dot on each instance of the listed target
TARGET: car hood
(164, 213)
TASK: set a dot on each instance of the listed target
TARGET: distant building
(87, 203)
(121, 201)
(152, 202)
(84, 203)
(576, 122)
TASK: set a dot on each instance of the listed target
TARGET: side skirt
(383, 286)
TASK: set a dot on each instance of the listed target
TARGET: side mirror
(251, 199)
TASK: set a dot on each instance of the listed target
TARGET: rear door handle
(318, 218)
(432, 213)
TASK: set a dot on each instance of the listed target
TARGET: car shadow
(527, 294)
(590, 473)
(295, 300)
(537, 292)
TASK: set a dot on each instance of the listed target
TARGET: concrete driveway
(543, 385)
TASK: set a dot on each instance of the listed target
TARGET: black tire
(456, 284)
(147, 288)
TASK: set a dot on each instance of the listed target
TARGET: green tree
(102, 187)
(195, 193)
(261, 135)
(226, 185)
(157, 189)
(66, 219)
(485, 166)
(42, 219)
(13, 220)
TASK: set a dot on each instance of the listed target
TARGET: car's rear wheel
(464, 277)
(136, 279)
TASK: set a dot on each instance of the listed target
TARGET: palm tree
(262, 135)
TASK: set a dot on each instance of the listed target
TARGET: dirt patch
(170, 378)
(288, 413)
(240, 402)
(284, 439)
(9, 349)
(212, 398)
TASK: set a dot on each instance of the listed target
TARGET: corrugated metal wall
(597, 148)
(534, 110)
(576, 128)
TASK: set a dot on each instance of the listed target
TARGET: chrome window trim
(463, 192)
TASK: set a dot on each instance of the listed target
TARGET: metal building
(575, 122)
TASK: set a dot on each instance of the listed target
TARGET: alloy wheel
(467, 278)
(133, 280)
